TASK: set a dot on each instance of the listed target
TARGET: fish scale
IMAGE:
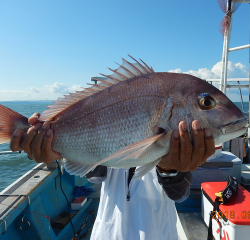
(116, 125)
(127, 119)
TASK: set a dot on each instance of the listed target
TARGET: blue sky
(51, 47)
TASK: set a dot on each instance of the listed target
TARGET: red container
(233, 219)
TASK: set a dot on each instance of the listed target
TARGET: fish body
(127, 119)
(112, 119)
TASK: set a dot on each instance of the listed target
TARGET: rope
(27, 211)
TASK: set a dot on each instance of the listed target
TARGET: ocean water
(13, 166)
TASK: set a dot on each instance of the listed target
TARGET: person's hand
(185, 156)
(36, 142)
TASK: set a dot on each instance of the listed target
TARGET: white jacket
(149, 215)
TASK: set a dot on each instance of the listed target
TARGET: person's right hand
(185, 155)
(36, 142)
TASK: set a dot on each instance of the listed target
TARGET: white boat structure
(191, 225)
(37, 205)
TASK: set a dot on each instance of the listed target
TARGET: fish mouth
(234, 126)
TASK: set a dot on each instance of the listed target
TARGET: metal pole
(248, 134)
(228, 80)
(239, 48)
(223, 81)
(242, 105)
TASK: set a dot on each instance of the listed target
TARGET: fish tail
(9, 122)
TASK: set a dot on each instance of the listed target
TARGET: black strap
(210, 229)
(226, 194)
(131, 174)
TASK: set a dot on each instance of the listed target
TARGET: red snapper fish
(127, 119)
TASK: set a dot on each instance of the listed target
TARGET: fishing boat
(38, 205)
(47, 203)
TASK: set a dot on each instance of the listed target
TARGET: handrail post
(226, 43)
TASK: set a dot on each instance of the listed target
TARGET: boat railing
(237, 85)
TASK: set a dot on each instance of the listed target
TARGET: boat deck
(193, 225)
(37, 198)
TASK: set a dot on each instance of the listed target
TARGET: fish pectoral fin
(76, 168)
(142, 170)
(134, 151)
(138, 153)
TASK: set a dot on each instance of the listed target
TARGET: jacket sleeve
(98, 175)
(177, 188)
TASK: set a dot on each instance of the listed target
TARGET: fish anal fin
(142, 170)
(76, 169)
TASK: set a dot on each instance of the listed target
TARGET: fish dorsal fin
(125, 71)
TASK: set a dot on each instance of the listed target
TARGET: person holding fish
(138, 132)
(133, 211)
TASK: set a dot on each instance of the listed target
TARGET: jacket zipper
(128, 196)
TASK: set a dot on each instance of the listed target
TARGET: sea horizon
(55, 100)
(27, 101)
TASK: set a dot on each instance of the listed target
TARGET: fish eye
(206, 102)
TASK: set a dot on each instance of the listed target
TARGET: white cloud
(57, 88)
(178, 70)
(34, 90)
(48, 92)
(202, 73)
(241, 67)
(12, 95)
(11, 91)
(75, 88)
(216, 69)
(234, 70)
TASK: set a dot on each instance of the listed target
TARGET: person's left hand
(36, 142)
(185, 156)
